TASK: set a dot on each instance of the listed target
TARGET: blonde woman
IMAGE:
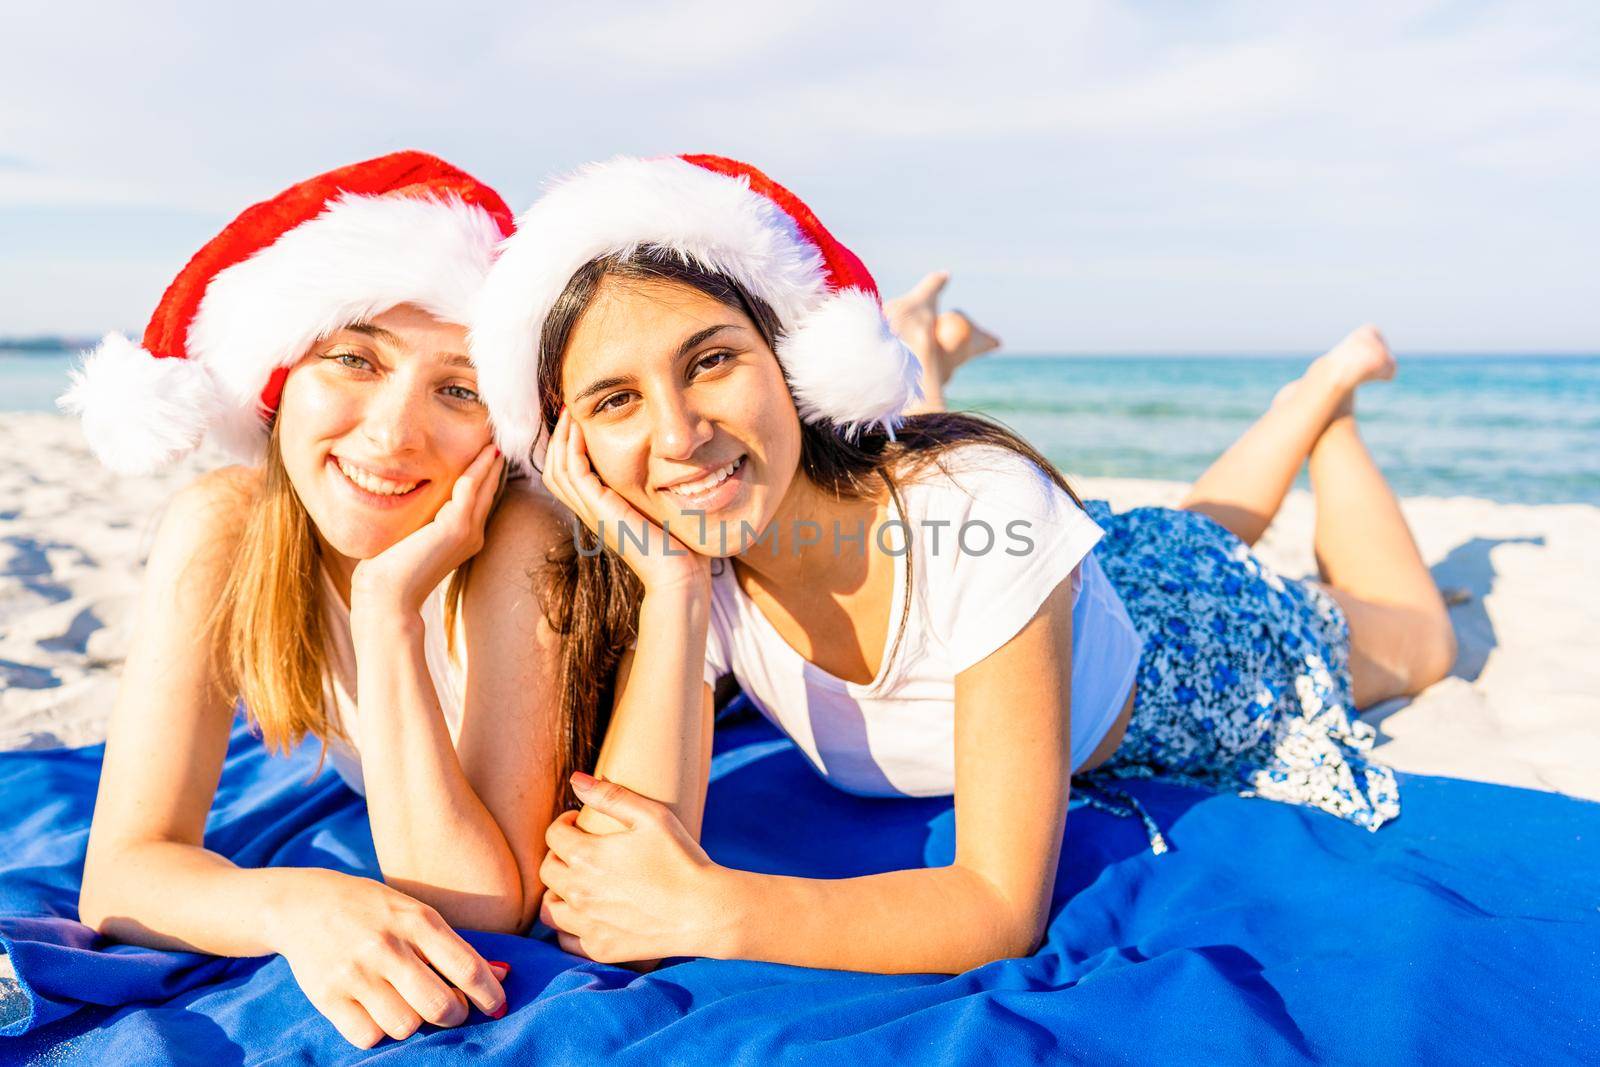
(322, 585)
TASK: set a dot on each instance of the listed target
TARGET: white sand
(1523, 707)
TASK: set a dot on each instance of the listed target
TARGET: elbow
(500, 924)
(1011, 937)
(1012, 941)
(1010, 929)
(1001, 939)
(91, 910)
(517, 912)
(506, 910)
(487, 913)
(1026, 937)
(96, 898)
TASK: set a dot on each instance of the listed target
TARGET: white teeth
(708, 483)
(372, 483)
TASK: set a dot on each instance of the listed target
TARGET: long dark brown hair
(592, 594)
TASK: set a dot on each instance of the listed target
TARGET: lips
(374, 483)
(702, 486)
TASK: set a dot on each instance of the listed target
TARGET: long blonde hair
(269, 629)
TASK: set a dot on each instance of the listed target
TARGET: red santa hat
(331, 251)
(846, 368)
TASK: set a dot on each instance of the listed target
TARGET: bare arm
(1012, 779)
(651, 891)
(459, 824)
(368, 957)
(1013, 768)
(659, 740)
(168, 735)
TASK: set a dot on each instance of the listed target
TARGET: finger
(561, 917)
(554, 874)
(552, 453)
(487, 492)
(619, 802)
(547, 902)
(586, 487)
(465, 491)
(390, 1010)
(352, 1021)
(555, 465)
(460, 964)
(476, 509)
(565, 840)
(427, 993)
(597, 499)
(578, 465)
(571, 943)
(585, 493)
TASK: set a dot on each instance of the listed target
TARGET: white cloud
(1435, 161)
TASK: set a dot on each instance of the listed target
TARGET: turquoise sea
(1523, 428)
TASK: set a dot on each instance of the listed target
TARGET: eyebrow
(694, 340)
(378, 333)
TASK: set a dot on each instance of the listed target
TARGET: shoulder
(988, 478)
(197, 542)
(1008, 536)
(206, 518)
(526, 526)
(219, 496)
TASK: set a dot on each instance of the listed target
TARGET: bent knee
(1435, 653)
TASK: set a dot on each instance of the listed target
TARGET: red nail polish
(502, 964)
(500, 1012)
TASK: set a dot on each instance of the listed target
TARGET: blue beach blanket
(1466, 932)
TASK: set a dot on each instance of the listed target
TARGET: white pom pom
(846, 366)
(140, 413)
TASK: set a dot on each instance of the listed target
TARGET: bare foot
(1363, 356)
(941, 343)
(914, 317)
(962, 339)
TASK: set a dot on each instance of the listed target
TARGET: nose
(392, 420)
(679, 429)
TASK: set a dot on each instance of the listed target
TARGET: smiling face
(683, 409)
(376, 423)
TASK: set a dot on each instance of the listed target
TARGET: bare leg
(1401, 640)
(941, 342)
(1245, 487)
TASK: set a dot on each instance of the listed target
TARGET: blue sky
(1099, 177)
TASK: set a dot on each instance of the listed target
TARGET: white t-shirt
(988, 543)
(447, 669)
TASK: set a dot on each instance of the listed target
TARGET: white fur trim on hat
(140, 413)
(712, 219)
(360, 257)
(845, 364)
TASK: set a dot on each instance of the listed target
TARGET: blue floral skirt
(1244, 682)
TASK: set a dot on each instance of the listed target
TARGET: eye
(462, 393)
(713, 360)
(606, 404)
(350, 360)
